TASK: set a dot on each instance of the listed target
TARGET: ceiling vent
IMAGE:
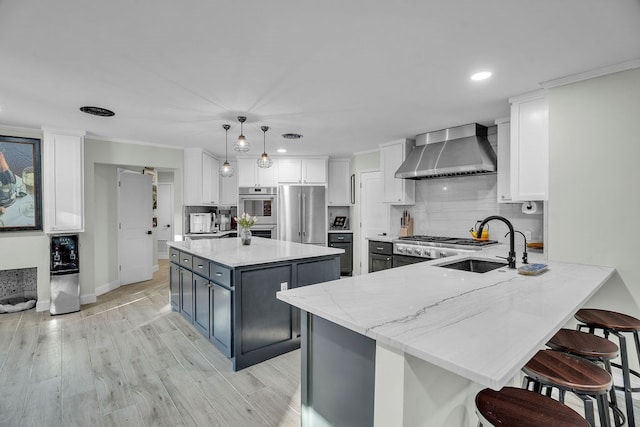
(97, 111)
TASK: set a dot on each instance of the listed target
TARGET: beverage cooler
(65, 272)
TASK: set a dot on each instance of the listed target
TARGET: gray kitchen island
(228, 292)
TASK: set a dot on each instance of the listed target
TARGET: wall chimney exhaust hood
(462, 150)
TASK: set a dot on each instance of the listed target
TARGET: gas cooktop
(446, 240)
(431, 247)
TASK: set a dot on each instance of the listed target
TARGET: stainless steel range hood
(462, 150)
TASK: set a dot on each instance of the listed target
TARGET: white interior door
(374, 214)
(135, 237)
(164, 213)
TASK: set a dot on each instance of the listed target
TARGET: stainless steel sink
(474, 265)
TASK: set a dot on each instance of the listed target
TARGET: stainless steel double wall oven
(261, 202)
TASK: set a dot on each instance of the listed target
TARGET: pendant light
(264, 161)
(226, 170)
(242, 145)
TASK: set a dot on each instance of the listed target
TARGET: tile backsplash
(451, 206)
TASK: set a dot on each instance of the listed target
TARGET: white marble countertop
(483, 327)
(232, 253)
(332, 230)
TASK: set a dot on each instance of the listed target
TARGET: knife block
(407, 229)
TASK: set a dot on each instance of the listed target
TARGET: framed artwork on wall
(20, 184)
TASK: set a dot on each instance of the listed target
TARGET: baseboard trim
(43, 305)
(100, 290)
(87, 299)
(155, 268)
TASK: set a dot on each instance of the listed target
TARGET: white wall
(99, 248)
(594, 173)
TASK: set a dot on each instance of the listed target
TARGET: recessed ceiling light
(97, 111)
(282, 150)
(482, 75)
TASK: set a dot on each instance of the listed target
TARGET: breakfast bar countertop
(483, 327)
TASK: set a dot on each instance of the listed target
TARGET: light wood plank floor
(129, 360)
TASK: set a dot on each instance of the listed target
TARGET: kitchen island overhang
(462, 330)
(227, 291)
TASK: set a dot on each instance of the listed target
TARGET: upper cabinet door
(251, 175)
(339, 192)
(63, 183)
(314, 171)
(290, 171)
(302, 171)
(529, 147)
(396, 191)
(504, 160)
(201, 185)
(210, 179)
(229, 187)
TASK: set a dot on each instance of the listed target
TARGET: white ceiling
(348, 75)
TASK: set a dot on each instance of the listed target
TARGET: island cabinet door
(221, 318)
(201, 308)
(186, 297)
(174, 285)
(263, 322)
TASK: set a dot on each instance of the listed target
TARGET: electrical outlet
(527, 234)
(284, 286)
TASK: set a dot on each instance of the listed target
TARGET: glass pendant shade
(264, 161)
(226, 171)
(242, 145)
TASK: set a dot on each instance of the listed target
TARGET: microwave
(200, 222)
(260, 202)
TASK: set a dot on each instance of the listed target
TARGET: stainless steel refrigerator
(302, 214)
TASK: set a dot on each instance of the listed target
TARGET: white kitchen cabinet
(201, 179)
(504, 160)
(339, 191)
(251, 175)
(229, 187)
(396, 191)
(529, 146)
(63, 181)
(302, 171)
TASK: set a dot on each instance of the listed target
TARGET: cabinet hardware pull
(380, 249)
(340, 238)
(200, 266)
(186, 260)
(218, 274)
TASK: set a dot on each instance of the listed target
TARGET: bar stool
(515, 407)
(593, 348)
(554, 369)
(615, 323)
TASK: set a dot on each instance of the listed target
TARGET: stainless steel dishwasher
(65, 274)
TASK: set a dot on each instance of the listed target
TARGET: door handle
(149, 232)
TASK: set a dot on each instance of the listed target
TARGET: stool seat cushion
(583, 344)
(523, 408)
(608, 319)
(567, 371)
